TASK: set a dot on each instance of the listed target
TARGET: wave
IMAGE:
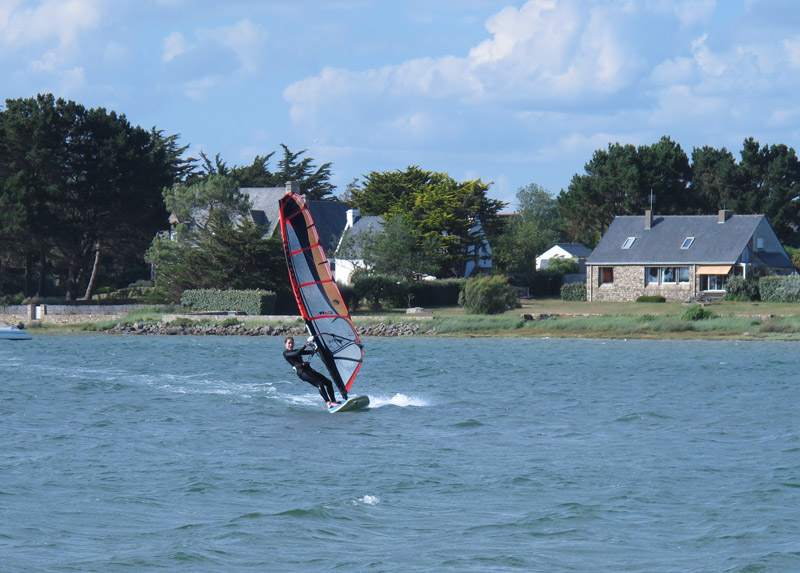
(401, 400)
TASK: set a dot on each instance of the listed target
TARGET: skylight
(687, 243)
(628, 242)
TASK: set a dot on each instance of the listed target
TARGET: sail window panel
(683, 275)
(651, 275)
(668, 275)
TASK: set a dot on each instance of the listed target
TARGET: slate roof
(367, 225)
(265, 206)
(575, 249)
(714, 242)
(329, 217)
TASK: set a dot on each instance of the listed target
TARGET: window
(666, 275)
(628, 242)
(606, 275)
(687, 242)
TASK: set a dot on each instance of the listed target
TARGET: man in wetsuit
(305, 372)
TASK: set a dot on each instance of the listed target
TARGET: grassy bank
(549, 317)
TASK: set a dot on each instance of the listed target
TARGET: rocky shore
(167, 328)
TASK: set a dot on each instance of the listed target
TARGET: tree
(714, 182)
(193, 205)
(398, 250)
(219, 256)
(770, 179)
(619, 181)
(314, 181)
(536, 227)
(440, 209)
(90, 182)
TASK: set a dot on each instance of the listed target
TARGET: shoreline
(524, 325)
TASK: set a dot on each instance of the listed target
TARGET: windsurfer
(305, 372)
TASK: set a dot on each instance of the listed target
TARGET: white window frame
(628, 243)
(687, 242)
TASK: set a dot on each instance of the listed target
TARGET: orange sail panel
(317, 295)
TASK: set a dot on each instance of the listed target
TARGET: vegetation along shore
(536, 318)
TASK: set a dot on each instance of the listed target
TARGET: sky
(511, 92)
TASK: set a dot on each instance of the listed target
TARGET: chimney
(293, 187)
(353, 215)
(724, 215)
(648, 219)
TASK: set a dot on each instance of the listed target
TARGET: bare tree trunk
(42, 274)
(93, 278)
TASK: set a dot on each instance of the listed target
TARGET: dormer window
(687, 242)
(628, 242)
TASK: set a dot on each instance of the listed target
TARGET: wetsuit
(305, 372)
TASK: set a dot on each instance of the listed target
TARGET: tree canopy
(439, 210)
(623, 179)
(78, 183)
(314, 181)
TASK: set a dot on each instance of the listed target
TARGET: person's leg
(325, 392)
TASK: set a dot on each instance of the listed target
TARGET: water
(208, 454)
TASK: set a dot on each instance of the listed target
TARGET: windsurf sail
(317, 295)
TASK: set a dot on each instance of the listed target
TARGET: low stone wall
(165, 328)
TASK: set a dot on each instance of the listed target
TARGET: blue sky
(508, 91)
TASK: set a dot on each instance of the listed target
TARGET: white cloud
(791, 47)
(174, 45)
(693, 12)
(245, 39)
(62, 20)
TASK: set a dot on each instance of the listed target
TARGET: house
(480, 260)
(576, 252)
(329, 216)
(681, 257)
(356, 225)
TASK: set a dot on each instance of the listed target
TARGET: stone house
(681, 257)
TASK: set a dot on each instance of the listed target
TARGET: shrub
(651, 298)
(488, 295)
(737, 288)
(780, 289)
(573, 292)
(379, 290)
(696, 313)
(254, 302)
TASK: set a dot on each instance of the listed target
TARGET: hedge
(780, 289)
(573, 292)
(253, 302)
(377, 291)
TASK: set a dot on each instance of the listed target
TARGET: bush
(651, 298)
(379, 290)
(574, 292)
(488, 295)
(737, 288)
(254, 302)
(444, 292)
(696, 313)
(780, 289)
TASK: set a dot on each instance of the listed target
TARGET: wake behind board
(355, 403)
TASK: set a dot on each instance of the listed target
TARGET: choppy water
(208, 454)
